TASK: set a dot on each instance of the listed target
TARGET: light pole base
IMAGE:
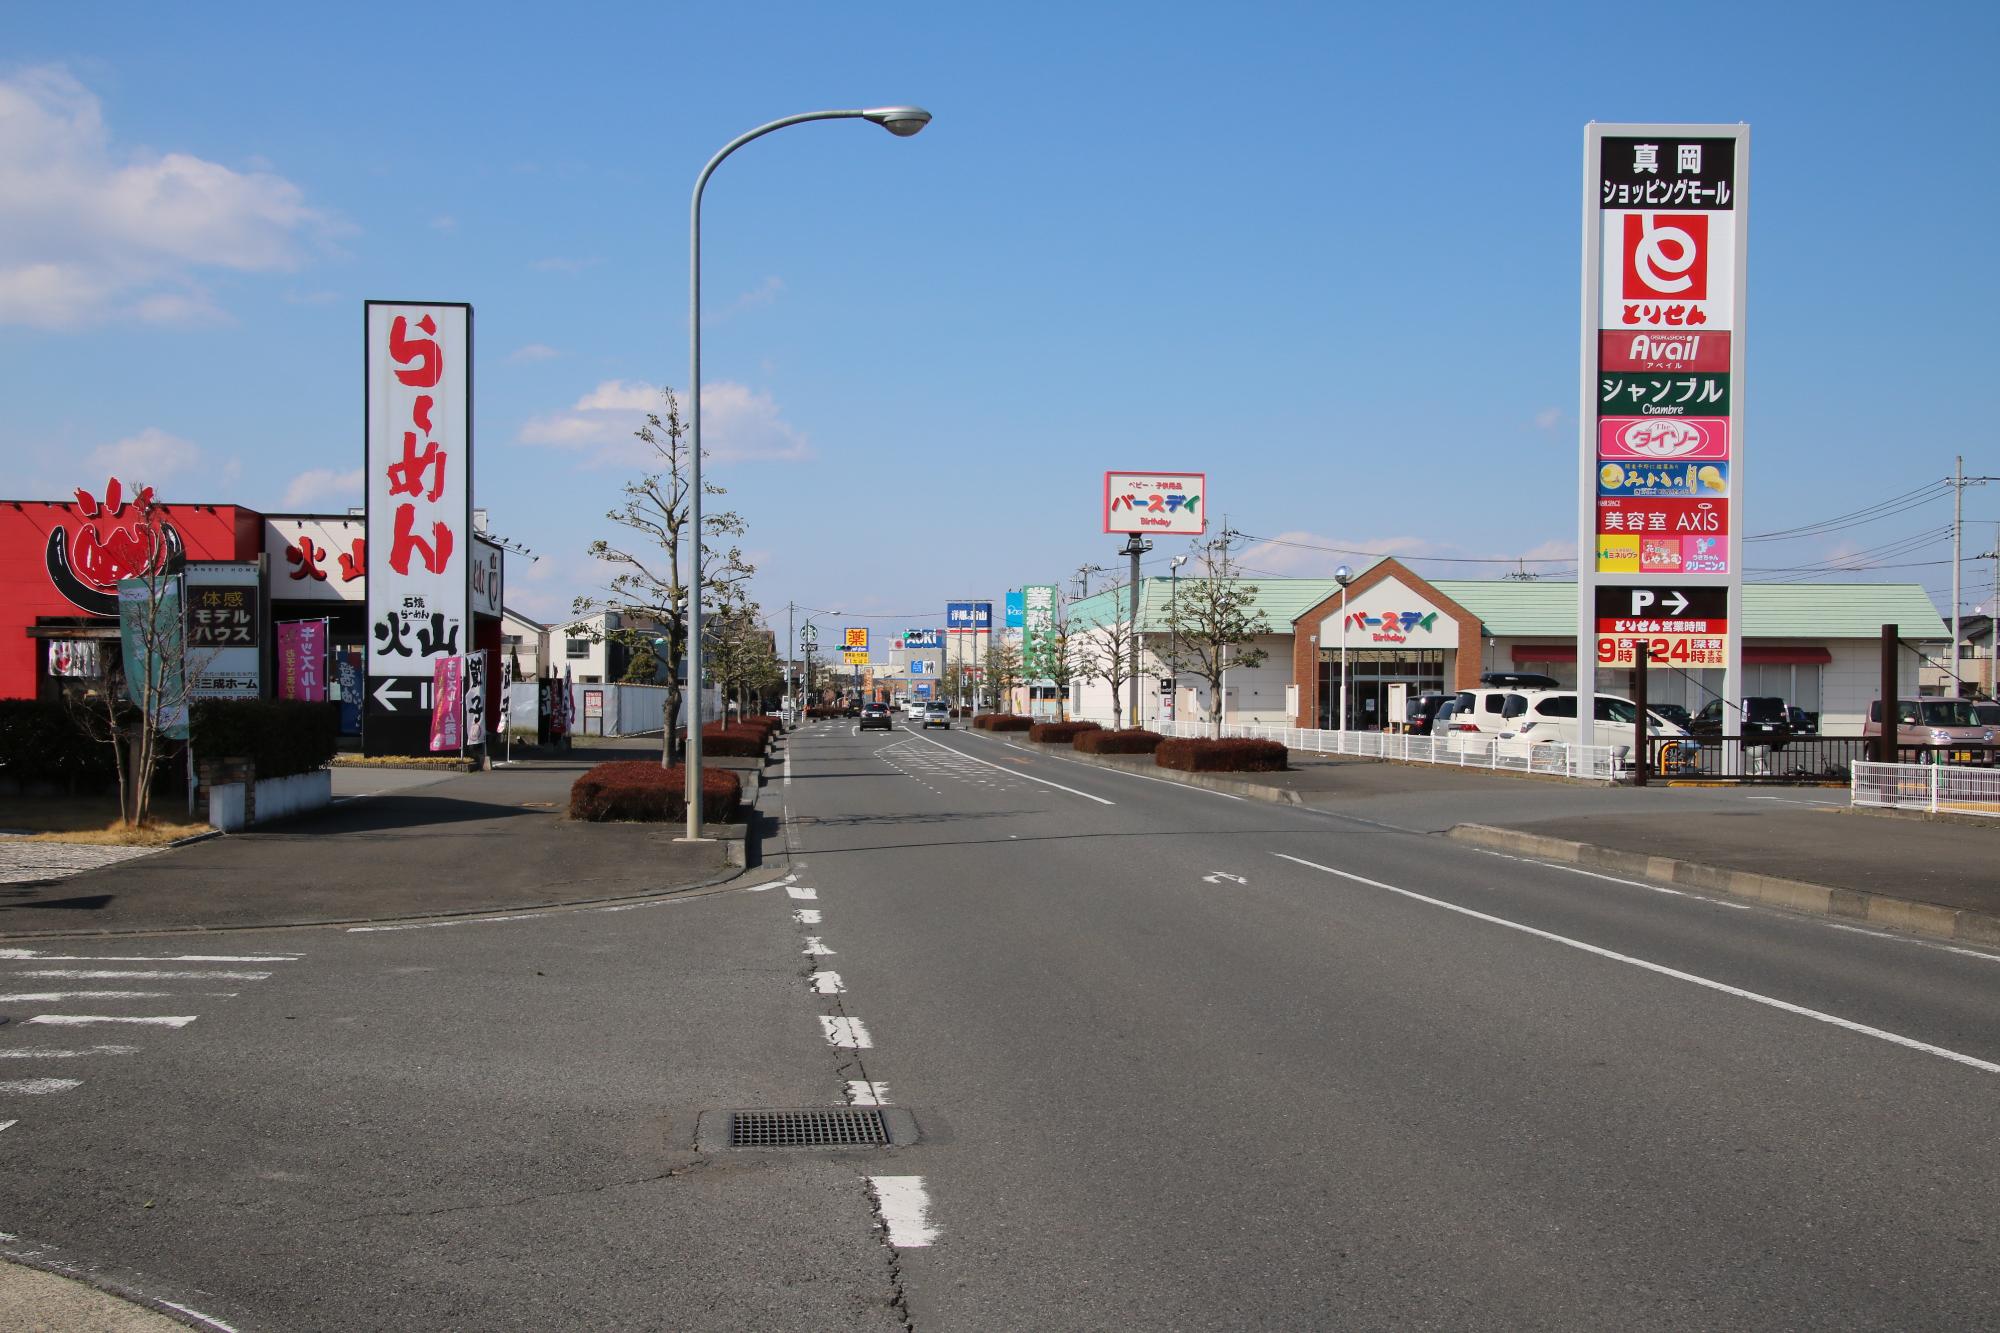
(685, 838)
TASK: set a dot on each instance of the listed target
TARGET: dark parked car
(1520, 680)
(877, 715)
(1765, 720)
(1423, 711)
(1675, 714)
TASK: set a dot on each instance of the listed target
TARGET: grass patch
(91, 822)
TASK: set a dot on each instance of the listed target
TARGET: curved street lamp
(901, 121)
(1343, 576)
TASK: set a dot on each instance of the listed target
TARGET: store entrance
(1370, 673)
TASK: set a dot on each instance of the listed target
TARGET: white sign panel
(316, 559)
(1389, 615)
(419, 488)
(1174, 504)
(489, 567)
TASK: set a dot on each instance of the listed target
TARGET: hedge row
(1226, 756)
(1061, 733)
(282, 737)
(1002, 722)
(636, 789)
(1118, 742)
(746, 739)
(41, 742)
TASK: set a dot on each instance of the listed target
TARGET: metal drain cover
(811, 1127)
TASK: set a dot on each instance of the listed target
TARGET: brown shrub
(1225, 756)
(1061, 733)
(1003, 722)
(1135, 741)
(635, 789)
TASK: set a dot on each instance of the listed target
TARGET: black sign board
(1660, 602)
(1667, 173)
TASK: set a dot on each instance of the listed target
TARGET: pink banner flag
(302, 660)
(448, 704)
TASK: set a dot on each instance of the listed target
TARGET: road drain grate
(847, 1127)
(807, 1127)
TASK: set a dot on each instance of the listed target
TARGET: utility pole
(1083, 573)
(1959, 481)
(1993, 619)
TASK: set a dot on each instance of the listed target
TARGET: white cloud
(1308, 555)
(1548, 418)
(146, 459)
(764, 293)
(563, 264)
(444, 222)
(533, 352)
(323, 488)
(88, 234)
(738, 423)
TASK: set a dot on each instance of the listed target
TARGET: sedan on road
(877, 716)
(937, 715)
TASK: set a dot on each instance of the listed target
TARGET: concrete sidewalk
(1796, 847)
(474, 842)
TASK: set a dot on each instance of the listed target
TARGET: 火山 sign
(418, 481)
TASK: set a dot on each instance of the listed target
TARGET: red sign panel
(1662, 517)
(1661, 350)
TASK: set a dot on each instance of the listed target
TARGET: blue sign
(968, 617)
(923, 638)
(923, 689)
(919, 667)
(1017, 610)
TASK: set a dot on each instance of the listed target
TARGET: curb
(1875, 909)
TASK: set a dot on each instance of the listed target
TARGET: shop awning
(1544, 652)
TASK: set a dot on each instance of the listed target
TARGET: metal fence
(1937, 788)
(1797, 760)
(1599, 763)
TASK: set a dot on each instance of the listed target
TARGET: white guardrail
(1938, 788)
(1460, 749)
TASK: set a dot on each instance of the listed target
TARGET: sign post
(1660, 421)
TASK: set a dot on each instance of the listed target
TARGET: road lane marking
(867, 1092)
(1785, 1006)
(849, 1034)
(1635, 883)
(905, 1209)
(87, 1020)
(64, 996)
(1143, 777)
(38, 1087)
(815, 949)
(114, 974)
(1012, 773)
(806, 916)
(56, 1053)
(828, 983)
(801, 893)
(40, 957)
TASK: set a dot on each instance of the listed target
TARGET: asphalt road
(1179, 1061)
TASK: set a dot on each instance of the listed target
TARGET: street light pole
(1343, 576)
(901, 121)
(1173, 595)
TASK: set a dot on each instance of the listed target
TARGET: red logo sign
(1666, 257)
(1662, 351)
(1663, 439)
(117, 539)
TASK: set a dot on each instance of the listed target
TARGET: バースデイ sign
(1172, 503)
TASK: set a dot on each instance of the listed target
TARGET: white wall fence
(1937, 788)
(1597, 763)
(628, 710)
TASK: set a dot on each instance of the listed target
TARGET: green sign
(1626, 393)
(155, 642)
(1038, 622)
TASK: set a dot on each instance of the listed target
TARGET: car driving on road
(937, 715)
(877, 716)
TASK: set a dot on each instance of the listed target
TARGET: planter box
(233, 806)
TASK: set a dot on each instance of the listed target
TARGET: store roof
(1531, 608)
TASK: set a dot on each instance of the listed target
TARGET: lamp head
(1179, 560)
(1343, 576)
(901, 121)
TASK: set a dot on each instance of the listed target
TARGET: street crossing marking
(1786, 1006)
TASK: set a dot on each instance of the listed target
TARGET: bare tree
(648, 579)
(1064, 656)
(1211, 621)
(1003, 672)
(1106, 654)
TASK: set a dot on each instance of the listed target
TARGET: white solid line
(815, 949)
(848, 1033)
(205, 1320)
(905, 1210)
(114, 974)
(30, 1053)
(1786, 1006)
(38, 956)
(61, 996)
(865, 1092)
(788, 766)
(1011, 773)
(85, 1020)
(807, 916)
(36, 1087)
(1143, 777)
(804, 894)
(1635, 883)
(8, 1124)
(828, 983)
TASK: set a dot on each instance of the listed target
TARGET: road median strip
(1876, 909)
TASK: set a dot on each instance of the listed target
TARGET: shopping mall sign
(1660, 470)
(1680, 626)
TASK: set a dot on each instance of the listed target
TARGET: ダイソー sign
(418, 482)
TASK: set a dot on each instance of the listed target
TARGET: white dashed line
(828, 983)
(112, 974)
(814, 949)
(806, 916)
(867, 1092)
(39, 1087)
(802, 893)
(850, 1034)
(62, 996)
(30, 1053)
(38, 956)
(905, 1210)
(88, 1020)
(1785, 1006)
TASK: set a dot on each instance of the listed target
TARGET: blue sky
(1326, 254)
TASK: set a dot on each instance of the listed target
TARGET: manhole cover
(807, 1127)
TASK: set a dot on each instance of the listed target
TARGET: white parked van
(1548, 717)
